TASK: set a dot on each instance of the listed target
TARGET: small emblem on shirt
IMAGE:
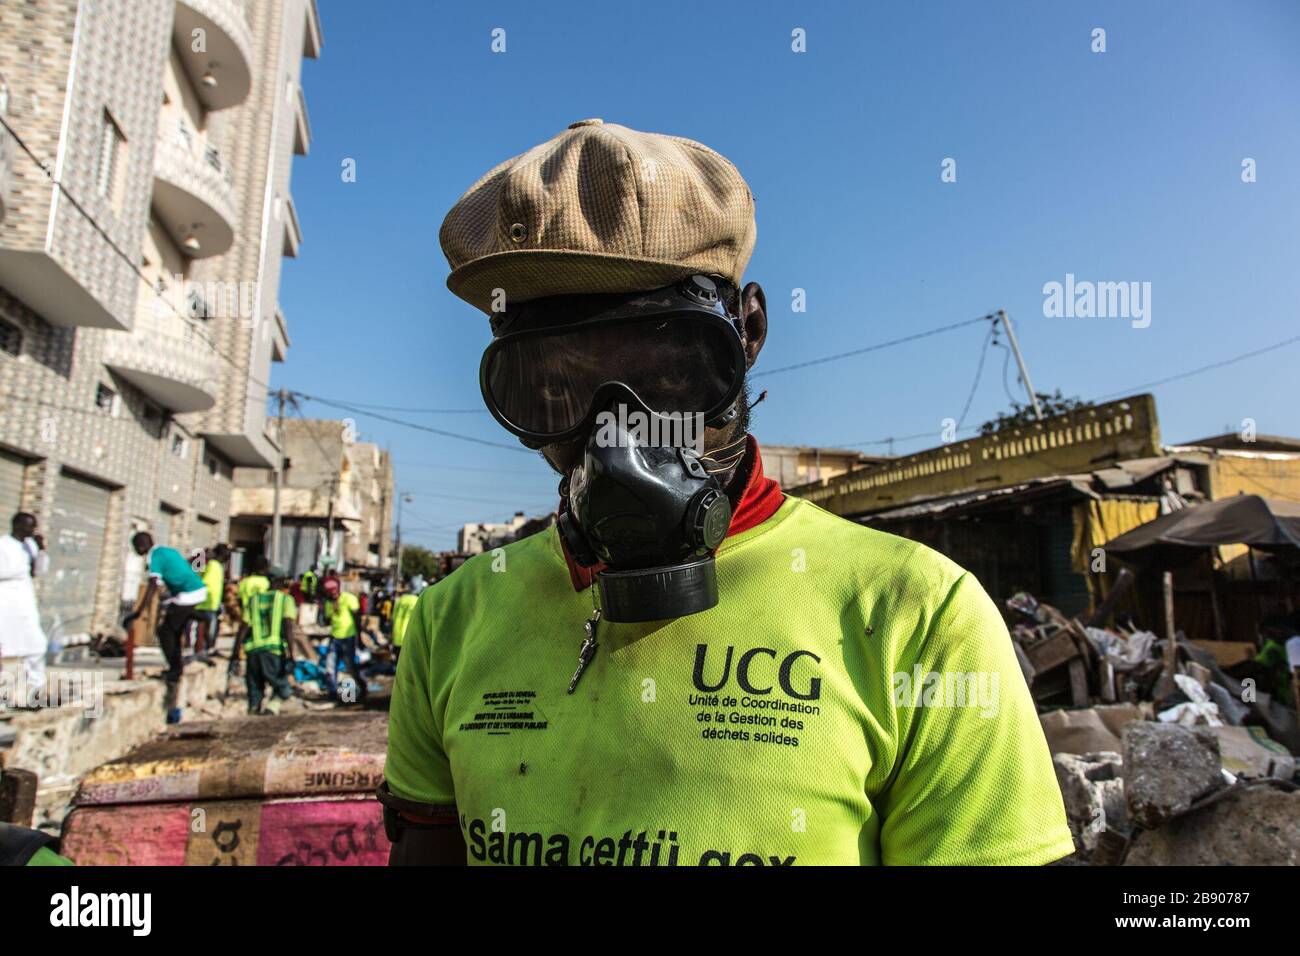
(505, 711)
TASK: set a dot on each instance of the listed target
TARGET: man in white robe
(22, 557)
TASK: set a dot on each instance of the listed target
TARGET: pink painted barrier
(329, 831)
(264, 791)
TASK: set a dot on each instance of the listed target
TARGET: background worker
(268, 658)
(253, 583)
(209, 610)
(185, 591)
(402, 611)
(22, 558)
(343, 612)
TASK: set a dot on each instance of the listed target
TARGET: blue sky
(1115, 166)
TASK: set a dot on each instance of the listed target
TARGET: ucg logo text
(743, 677)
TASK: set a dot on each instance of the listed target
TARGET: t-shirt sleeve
(417, 767)
(975, 783)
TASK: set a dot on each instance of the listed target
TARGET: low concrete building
(336, 500)
(794, 465)
(1031, 508)
(477, 538)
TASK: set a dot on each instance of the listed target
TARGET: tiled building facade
(131, 386)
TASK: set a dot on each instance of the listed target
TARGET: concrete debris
(1093, 790)
(1167, 768)
(1091, 730)
(1257, 825)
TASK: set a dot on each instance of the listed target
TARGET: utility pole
(279, 479)
(400, 498)
(1020, 363)
(329, 521)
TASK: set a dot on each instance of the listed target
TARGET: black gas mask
(643, 499)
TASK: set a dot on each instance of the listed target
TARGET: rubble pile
(1162, 757)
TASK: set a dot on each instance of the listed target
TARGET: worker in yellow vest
(252, 583)
(271, 618)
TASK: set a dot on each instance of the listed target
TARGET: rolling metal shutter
(75, 541)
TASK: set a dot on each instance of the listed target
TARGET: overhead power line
(356, 410)
(421, 411)
(1131, 390)
(870, 348)
(979, 371)
(1204, 368)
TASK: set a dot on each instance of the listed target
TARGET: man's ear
(753, 314)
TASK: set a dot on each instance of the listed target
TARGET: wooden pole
(1171, 641)
(1123, 584)
(1219, 629)
(130, 651)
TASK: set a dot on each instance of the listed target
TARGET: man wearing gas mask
(689, 668)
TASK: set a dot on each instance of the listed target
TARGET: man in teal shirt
(185, 591)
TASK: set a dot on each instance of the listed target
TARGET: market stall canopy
(1269, 524)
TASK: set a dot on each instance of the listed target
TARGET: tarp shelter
(1177, 538)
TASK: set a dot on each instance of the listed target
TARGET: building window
(154, 419)
(178, 446)
(11, 338)
(106, 399)
(112, 147)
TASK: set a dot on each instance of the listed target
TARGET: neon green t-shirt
(854, 698)
(402, 611)
(250, 586)
(214, 579)
(47, 857)
(342, 615)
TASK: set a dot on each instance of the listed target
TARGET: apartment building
(486, 536)
(336, 500)
(140, 250)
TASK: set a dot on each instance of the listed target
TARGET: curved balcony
(220, 71)
(193, 193)
(168, 358)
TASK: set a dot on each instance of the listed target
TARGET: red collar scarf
(758, 502)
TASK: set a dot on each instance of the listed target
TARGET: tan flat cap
(599, 208)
